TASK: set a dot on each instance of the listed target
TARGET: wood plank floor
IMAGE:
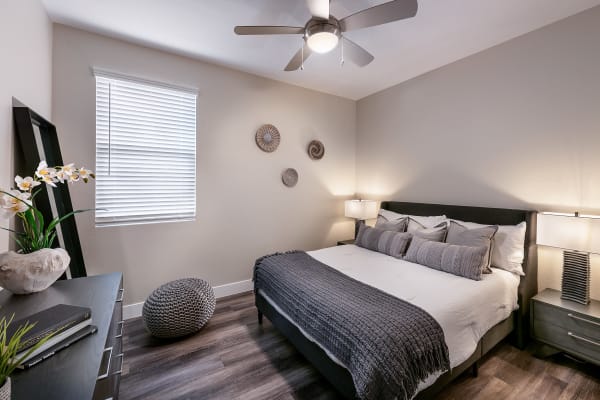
(235, 358)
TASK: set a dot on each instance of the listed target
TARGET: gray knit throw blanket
(387, 344)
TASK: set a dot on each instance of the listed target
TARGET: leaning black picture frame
(38, 141)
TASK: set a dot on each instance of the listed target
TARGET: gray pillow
(463, 236)
(387, 242)
(435, 234)
(465, 261)
(397, 225)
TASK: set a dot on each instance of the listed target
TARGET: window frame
(169, 215)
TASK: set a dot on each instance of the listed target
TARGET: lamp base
(357, 224)
(576, 277)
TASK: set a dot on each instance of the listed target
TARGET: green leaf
(9, 347)
(35, 192)
(57, 221)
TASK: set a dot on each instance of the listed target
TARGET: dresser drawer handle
(574, 336)
(122, 357)
(105, 374)
(120, 335)
(122, 291)
(583, 319)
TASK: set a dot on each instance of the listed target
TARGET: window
(145, 151)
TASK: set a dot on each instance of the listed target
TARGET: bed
(481, 328)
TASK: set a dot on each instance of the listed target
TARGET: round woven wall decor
(289, 177)
(316, 150)
(268, 138)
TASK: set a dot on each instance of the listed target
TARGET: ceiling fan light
(322, 42)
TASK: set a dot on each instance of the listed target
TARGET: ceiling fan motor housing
(316, 25)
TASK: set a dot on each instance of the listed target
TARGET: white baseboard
(135, 310)
(132, 310)
(233, 288)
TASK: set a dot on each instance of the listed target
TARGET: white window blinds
(145, 152)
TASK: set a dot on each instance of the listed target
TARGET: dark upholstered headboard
(492, 216)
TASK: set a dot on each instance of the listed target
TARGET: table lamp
(578, 235)
(360, 210)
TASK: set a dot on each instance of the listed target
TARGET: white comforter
(465, 309)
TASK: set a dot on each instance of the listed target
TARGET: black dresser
(89, 368)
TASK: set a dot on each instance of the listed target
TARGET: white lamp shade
(569, 232)
(360, 209)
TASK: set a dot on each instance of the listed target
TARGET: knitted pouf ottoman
(179, 308)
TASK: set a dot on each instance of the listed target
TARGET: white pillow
(508, 251)
(427, 222)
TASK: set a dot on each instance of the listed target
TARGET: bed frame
(516, 327)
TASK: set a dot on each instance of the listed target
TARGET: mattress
(465, 309)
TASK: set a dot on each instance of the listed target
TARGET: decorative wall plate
(268, 138)
(289, 177)
(316, 150)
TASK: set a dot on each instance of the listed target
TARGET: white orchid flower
(26, 184)
(67, 173)
(74, 177)
(43, 170)
(2, 197)
(61, 176)
(85, 174)
(50, 180)
(69, 169)
(14, 202)
(46, 174)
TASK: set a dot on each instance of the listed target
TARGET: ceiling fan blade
(296, 61)
(268, 30)
(381, 14)
(319, 8)
(356, 54)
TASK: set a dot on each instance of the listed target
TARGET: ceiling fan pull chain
(302, 62)
(342, 62)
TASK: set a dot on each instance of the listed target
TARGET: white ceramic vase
(5, 390)
(33, 272)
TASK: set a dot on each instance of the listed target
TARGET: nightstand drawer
(575, 342)
(579, 324)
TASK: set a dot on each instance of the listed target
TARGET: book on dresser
(62, 321)
(34, 360)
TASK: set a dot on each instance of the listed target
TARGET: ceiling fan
(323, 31)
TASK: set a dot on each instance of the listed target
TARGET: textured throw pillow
(508, 249)
(435, 234)
(397, 225)
(465, 261)
(387, 242)
(480, 237)
(427, 222)
(390, 215)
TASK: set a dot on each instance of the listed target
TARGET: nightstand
(343, 242)
(567, 326)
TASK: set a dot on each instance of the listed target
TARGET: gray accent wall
(243, 209)
(517, 125)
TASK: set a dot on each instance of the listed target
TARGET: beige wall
(25, 73)
(517, 125)
(244, 211)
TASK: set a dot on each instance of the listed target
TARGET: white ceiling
(442, 32)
